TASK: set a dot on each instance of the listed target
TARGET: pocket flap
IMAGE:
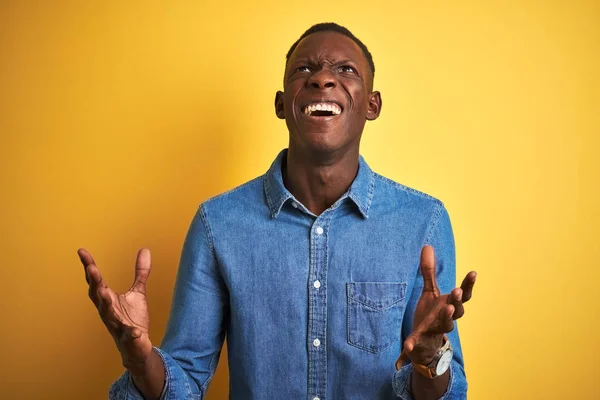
(377, 295)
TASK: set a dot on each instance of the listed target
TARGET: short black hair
(333, 27)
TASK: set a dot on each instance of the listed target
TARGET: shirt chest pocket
(375, 314)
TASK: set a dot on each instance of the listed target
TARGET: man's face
(327, 95)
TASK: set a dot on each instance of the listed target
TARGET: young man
(321, 272)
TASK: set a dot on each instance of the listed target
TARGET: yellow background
(118, 118)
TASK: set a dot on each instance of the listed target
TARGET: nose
(322, 79)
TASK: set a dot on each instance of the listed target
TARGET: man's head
(328, 90)
(333, 27)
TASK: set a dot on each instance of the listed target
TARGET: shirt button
(316, 398)
(319, 230)
(316, 342)
(317, 284)
(294, 204)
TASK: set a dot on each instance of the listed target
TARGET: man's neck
(318, 182)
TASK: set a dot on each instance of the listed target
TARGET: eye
(347, 68)
(303, 68)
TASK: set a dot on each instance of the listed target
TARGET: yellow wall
(118, 118)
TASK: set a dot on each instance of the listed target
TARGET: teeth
(331, 107)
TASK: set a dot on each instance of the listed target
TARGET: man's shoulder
(398, 193)
(244, 196)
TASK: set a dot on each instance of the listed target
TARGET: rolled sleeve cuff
(125, 389)
(457, 388)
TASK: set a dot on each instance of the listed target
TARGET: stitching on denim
(371, 349)
(403, 187)
(209, 234)
(405, 394)
(377, 309)
(356, 297)
(364, 208)
(370, 193)
(395, 382)
(434, 220)
(267, 188)
(450, 383)
(207, 230)
(168, 374)
(323, 353)
(235, 189)
(270, 203)
(312, 306)
(212, 365)
(349, 300)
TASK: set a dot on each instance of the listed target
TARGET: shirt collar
(360, 192)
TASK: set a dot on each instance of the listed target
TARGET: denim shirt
(313, 307)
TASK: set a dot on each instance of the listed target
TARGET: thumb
(427, 266)
(410, 342)
(143, 265)
(135, 346)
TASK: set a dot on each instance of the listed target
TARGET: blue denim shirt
(313, 307)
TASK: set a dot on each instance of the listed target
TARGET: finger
(455, 299)
(427, 266)
(438, 321)
(95, 277)
(95, 282)
(130, 335)
(445, 321)
(410, 342)
(135, 333)
(422, 348)
(143, 265)
(92, 273)
(467, 286)
(86, 260)
(135, 344)
(85, 257)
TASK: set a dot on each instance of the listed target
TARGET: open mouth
(322, 109)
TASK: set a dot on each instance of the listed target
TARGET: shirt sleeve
(441, 239)
(196, 329)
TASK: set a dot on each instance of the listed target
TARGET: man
(312, 270)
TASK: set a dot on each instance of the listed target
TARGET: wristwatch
(438, 366)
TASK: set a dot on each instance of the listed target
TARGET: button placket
(317, 362)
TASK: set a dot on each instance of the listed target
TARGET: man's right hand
(124, 314)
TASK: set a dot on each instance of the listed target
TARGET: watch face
(444, 362)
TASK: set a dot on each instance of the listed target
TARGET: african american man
(320, 273)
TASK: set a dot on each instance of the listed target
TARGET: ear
(279, 110)
(374, 107)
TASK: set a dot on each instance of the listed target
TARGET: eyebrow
(311, 60)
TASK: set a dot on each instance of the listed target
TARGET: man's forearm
(150, 378)
(424, 388)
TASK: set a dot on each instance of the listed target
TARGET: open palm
(125, 314)
(435, 313)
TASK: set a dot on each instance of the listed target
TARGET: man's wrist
(140, 368)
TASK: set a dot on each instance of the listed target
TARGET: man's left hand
(435, 313)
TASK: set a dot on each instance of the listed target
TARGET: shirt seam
(207, 230)
(212, 365)
(434, 221)
(210, 237)
(404, 187)
(267, 189)
(233, 190)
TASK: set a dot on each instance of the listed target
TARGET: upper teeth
(334, 108)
